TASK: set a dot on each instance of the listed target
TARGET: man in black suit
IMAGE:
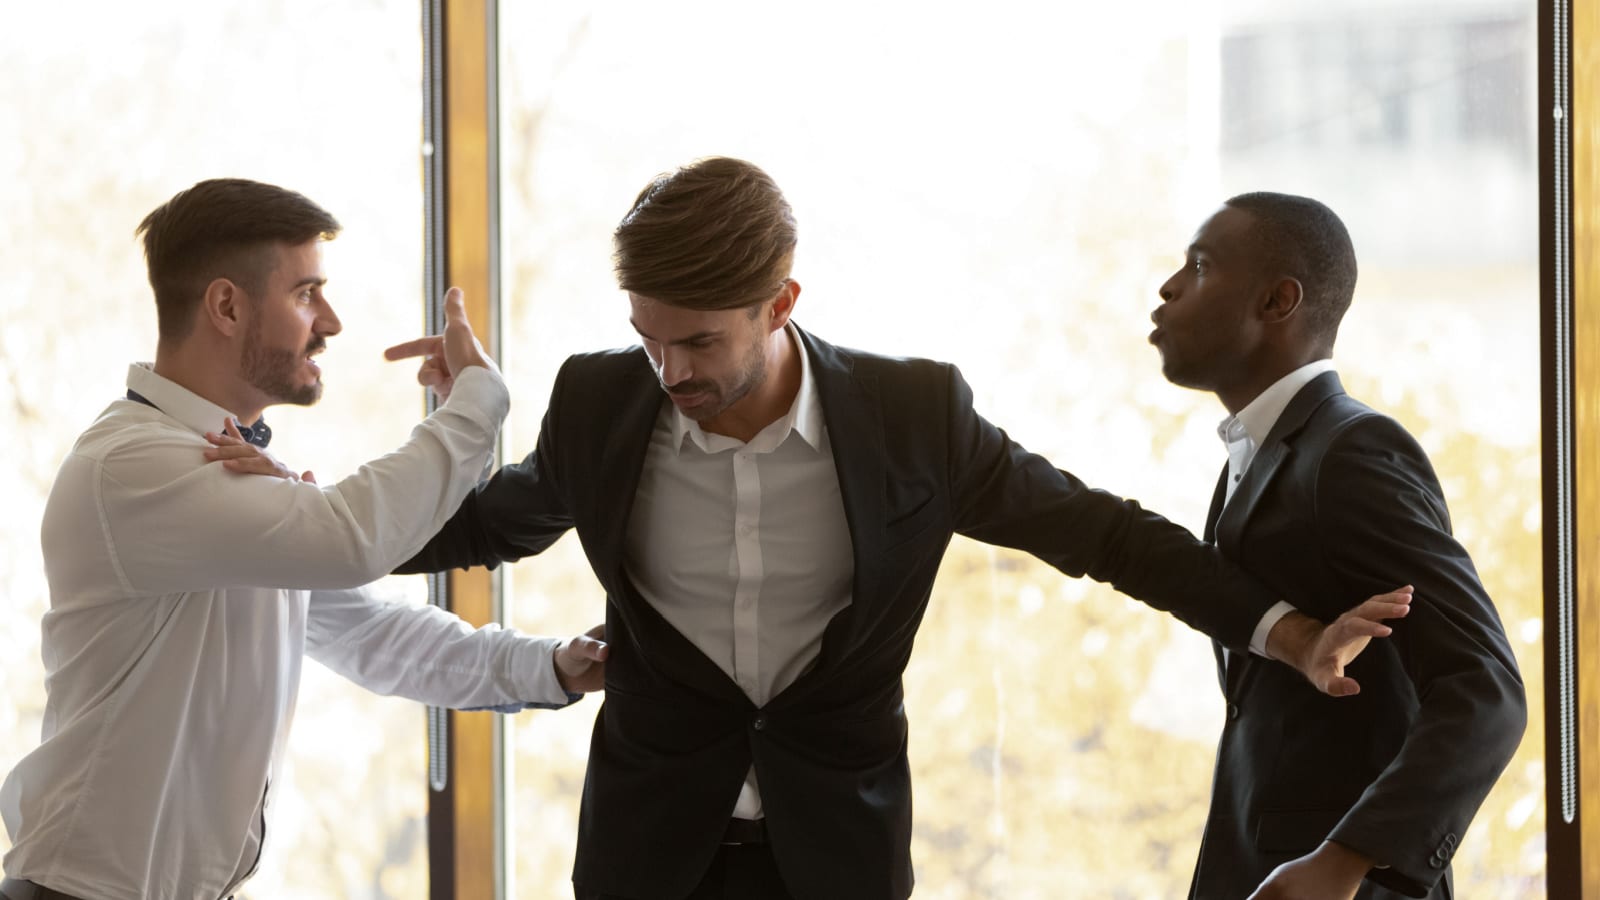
(1367, 796)
(768, 541)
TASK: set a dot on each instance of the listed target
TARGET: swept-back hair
(715, 234)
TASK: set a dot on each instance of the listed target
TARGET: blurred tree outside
(1007, 192)
(1004, 191)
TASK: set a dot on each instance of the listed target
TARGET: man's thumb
(455, 306)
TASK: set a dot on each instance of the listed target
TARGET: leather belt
(745, 831)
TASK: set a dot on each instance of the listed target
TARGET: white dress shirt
(743, 547)
(1243, 434)
(182, 597)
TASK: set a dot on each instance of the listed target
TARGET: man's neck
(1262, 375)
(210, 378)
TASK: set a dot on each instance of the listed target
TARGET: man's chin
(306, 395)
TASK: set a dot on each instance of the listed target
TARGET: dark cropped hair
(221, 228)
(1304, 239)
(715, 234)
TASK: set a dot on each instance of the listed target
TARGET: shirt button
(759, 723)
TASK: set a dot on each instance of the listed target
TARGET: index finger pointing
(423, 346)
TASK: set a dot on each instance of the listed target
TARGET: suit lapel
(1271, 455)
(1270, 458)
(1217, 498)
(850, 409)
(622, 461)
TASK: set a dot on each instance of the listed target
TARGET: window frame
(1569, 174)
(466, 831)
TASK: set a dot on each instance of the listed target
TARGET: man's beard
(271, 371)
(750, 376)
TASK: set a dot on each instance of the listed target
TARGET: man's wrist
(1290, 640)
(1351, 864)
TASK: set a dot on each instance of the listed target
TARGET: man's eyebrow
(687, 339)
(310, 280)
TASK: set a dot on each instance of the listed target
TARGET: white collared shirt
(182, 597)
(744, 547)
(1243, 433)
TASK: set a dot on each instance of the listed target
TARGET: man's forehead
(299, 262)
(1224, 230)
(666, 316)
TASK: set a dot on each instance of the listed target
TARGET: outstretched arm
(1002, 494)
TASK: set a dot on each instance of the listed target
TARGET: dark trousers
(17, 889)
(738, 872)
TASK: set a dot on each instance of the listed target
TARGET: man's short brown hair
(221, 228)
(715, 234)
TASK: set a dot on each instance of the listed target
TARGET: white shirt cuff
(1258, 639)
(536, 678)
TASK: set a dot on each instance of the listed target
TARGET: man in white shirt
(767, 512)
(183, 595)
(1317, 799)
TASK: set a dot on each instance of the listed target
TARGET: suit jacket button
(759, 722)
(1233, 711)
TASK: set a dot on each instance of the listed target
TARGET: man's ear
(222, 307)
(783, 304)
(1282, 300)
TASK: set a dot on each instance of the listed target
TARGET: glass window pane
(109, 110)
(1007, 189)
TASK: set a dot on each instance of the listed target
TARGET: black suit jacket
(1341, 502)
(675, 736)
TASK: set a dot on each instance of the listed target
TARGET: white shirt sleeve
(427, 654)
(176, 523)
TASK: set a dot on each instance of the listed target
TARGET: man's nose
(328, 323)
(675, 367)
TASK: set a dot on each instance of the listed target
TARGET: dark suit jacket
(675, 736)
(1340, 502)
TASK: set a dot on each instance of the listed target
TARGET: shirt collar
(803, 418)
(1260, 414)
(178, 402)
